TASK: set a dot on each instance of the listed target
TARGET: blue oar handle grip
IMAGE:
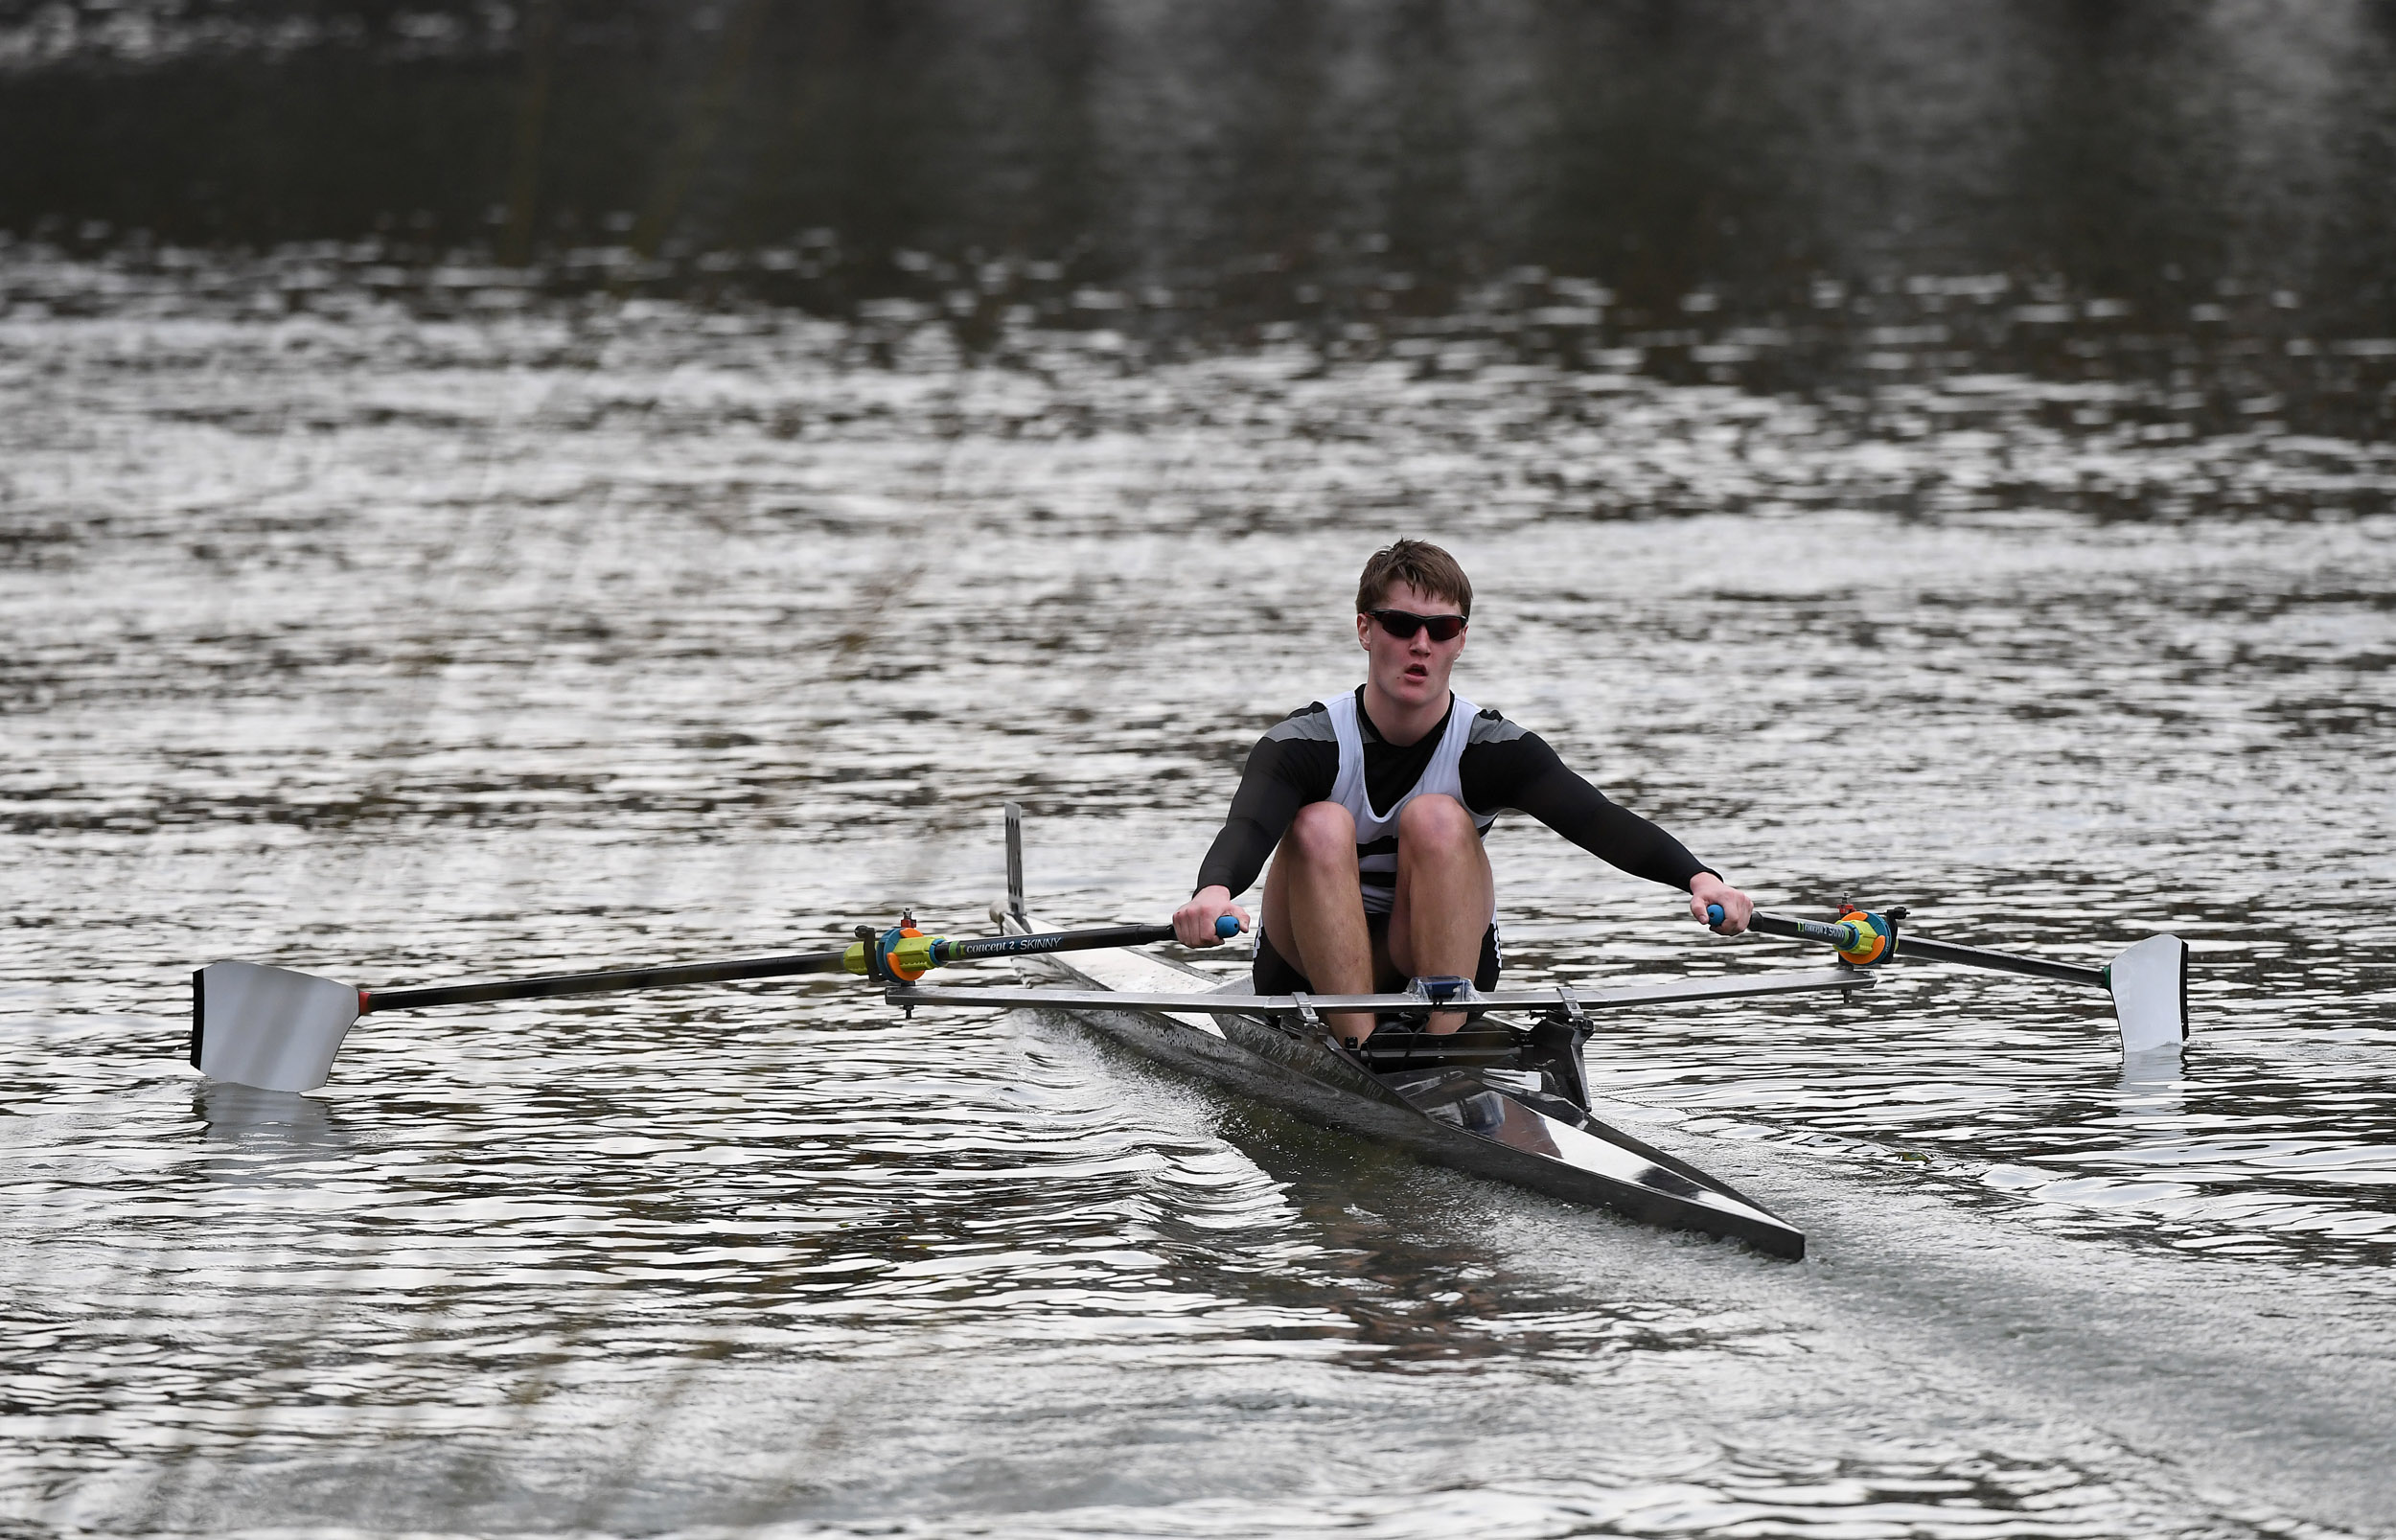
(1226, 926)
(1714, 916)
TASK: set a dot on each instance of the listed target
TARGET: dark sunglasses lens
(1402, 624)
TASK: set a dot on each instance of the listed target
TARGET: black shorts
(1275, 974)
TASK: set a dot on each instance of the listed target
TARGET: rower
(1374, 805)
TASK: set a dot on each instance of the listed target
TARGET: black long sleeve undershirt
(1523, 773)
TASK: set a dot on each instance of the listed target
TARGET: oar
(2148, 981)
(279, 1029)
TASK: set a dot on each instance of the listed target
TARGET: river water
(380, 608)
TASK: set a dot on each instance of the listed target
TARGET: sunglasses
(1402, 624)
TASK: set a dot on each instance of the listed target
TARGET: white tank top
(1377, 828)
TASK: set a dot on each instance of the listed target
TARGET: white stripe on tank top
(1377, 872)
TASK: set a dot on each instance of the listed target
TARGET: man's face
(1410, 670)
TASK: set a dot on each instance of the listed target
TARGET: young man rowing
(1372, 806)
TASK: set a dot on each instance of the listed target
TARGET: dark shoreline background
(2198, 199)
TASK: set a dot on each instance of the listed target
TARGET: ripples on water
(378, 610)
(406, 648)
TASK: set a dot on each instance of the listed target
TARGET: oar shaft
(1822, 931)
(1914, 946)
(1017, 946)
(849, 959)
(600, 983)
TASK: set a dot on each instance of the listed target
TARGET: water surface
(380, 608)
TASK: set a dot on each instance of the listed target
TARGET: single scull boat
(1498, 1098)
(1502, 1098)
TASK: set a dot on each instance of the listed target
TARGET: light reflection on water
(414, 648)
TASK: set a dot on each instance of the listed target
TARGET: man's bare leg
(1314, 912)
(1443, 891)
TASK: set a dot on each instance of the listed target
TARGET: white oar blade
(2149, 986)
(268, 1027)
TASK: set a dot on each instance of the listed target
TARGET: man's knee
(1432, 824)
(1323, 832)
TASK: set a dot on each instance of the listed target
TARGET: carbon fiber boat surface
(1500, 1101)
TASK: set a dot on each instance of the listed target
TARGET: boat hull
(1461, 1117)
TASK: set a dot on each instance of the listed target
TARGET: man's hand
(1706, 888)
(1193, 923)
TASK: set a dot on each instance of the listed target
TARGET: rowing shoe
(2148, 981)
(279, 1029)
